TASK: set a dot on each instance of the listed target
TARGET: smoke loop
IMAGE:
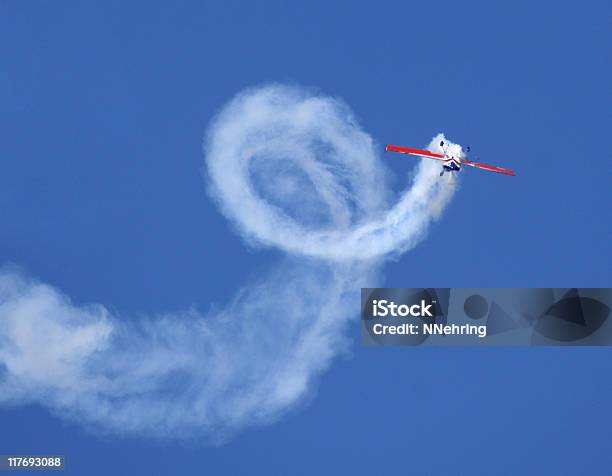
(289, 169)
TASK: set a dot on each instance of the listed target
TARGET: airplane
(452, 163)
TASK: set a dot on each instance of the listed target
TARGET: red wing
(487, 167)
(419, 152)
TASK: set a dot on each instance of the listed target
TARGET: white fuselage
(452, 163)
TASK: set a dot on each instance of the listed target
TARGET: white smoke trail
(318, 142)
(290, 169)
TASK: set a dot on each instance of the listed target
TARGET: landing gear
(442, 173)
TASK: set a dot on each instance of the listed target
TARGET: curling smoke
(309, 141)
(290, 170)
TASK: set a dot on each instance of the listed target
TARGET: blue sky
(103, 111)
